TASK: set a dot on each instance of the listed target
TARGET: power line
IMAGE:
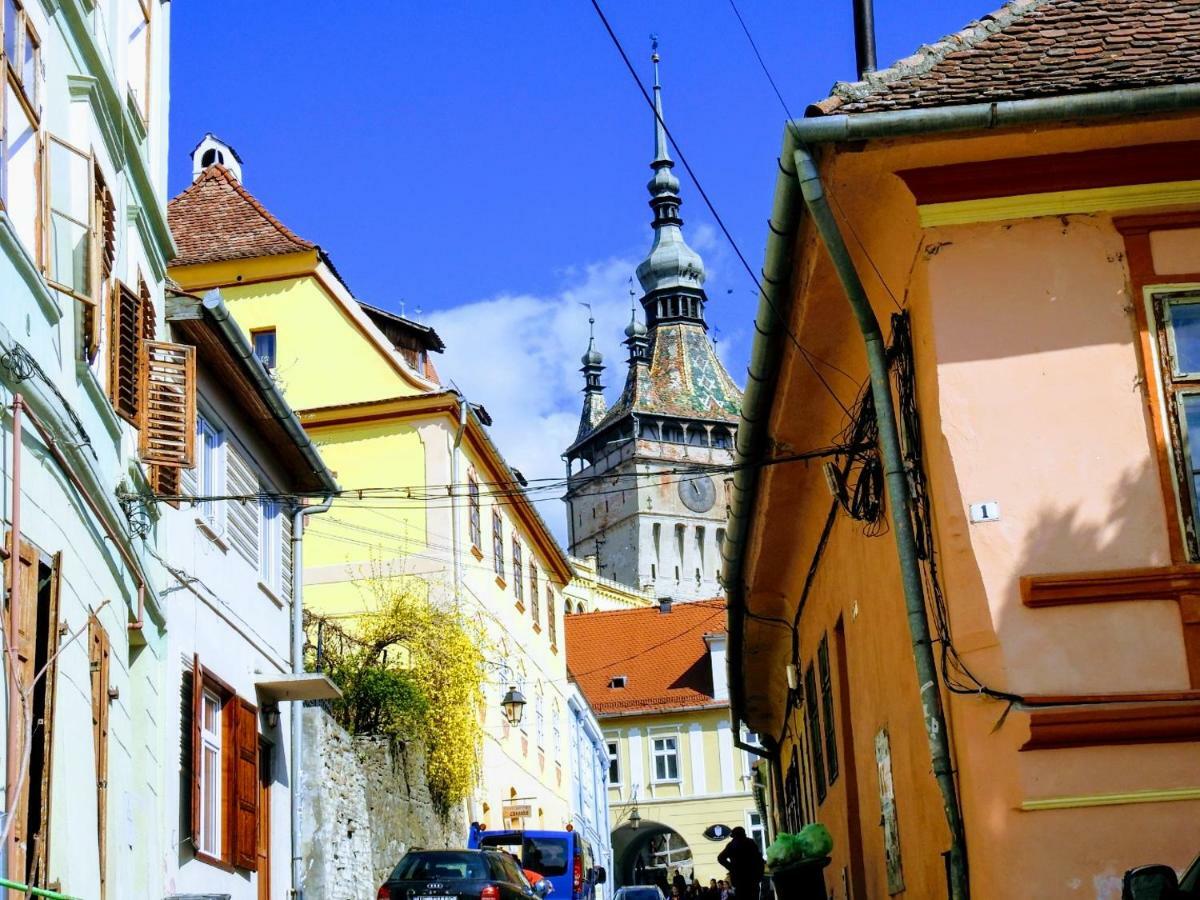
(809, 357)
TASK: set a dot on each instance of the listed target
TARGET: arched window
(721, 438)
(579, 607)
(540, 713)
(649, 430)
(672, 432)
(696, 436)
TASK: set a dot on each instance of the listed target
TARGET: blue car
(564, 858)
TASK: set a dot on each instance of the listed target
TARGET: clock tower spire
(677, 410)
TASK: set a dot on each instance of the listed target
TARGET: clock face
(698, 493)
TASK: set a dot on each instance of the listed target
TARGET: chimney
(212, 151)
(716, 658)
(864, 36)
(664, 605)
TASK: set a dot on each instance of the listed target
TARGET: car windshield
(441, 865)
(544, 855)
(640, 893)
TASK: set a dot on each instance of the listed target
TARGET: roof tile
(663, 656)
(217, 219)
(1037, 48)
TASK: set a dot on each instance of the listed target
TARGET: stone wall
(364, 804)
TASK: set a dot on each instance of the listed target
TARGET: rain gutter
(776, 298)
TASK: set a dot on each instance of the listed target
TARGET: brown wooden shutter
(27, 574)
(125, 328)
(49, 652)
(168, 392)
(146, 311)
(99, 651)
(245, 784)
(197, 745)
(164, 481)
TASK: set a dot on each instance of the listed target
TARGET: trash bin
(804, 880)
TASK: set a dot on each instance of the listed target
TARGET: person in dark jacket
(745, 864)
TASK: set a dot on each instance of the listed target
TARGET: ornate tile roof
(1037, 48)
(685, 379)
(663, 657)
(216, 219)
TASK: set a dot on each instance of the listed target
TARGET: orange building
(1011, 218)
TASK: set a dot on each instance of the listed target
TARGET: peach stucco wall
(1030, 396)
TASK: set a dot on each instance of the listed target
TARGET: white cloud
(518, 355)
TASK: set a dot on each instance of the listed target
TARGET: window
(104, 227)
(138, 56)
(270, 542)
(210, 775)
(126, 322)
(167, 390)
(614, 762)
(540, 712)
(518, 573)
(831, 758)
(23, 52)
(476, 526)
(210, 473)
(617, 682)
(498, 543)
(754, 828)
(551, 625)
(666, 759)
(21, 149)
(224, 777)
(555, 731)
(1177, 317)
(70, 235)
(533, 591)
(721, 438)
(264, 347)
(813, 718)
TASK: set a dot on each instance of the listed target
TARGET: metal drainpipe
(297, 742)
(900, 507)
(455, 499)
(13, 721)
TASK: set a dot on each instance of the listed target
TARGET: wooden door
(22, 635)
(99, 651)
(264, 820)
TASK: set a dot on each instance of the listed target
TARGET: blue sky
(486, 163)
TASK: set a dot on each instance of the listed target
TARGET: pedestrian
(694, 889)
(723, 885)
(741, 857)
(679, 883)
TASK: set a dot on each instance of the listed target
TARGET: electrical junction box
(987, 511)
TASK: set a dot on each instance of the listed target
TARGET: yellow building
(437, 499)
(655, 678)
(588, 591)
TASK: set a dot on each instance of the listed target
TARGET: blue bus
(564, 858)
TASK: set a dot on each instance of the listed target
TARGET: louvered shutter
(245, 785)
(168, 391)
(285, 556)
(125, 330)
(243, 515)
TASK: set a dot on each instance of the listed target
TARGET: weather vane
(591, 320)
(654, 48)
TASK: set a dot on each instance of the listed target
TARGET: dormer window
(212, 157)
(616, 682)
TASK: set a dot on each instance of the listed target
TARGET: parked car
(564, 858)
(639, 892)
(456, 874)
(1161, 883)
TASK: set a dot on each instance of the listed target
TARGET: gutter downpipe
(297, 741)
(455, 499)
(900, 507)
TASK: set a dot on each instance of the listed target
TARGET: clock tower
(646, 478)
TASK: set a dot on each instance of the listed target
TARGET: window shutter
(125, 325)
(245, 785)
(243, 514)
(164, 481)
(145, 311)
(285, 557)
(168, 392)
(99, 651)
(197, 745)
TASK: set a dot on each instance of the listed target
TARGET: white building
(83, 251)
(589, 789)
(228, 583)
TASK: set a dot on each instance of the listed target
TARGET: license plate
(428, 897)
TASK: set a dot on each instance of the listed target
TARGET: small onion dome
(592, 357)
(635, 329)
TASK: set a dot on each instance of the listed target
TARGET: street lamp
(513, 705)
(635, 819)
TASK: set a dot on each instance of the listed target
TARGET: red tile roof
(1038, 48)
(217, 219)
(663, 657)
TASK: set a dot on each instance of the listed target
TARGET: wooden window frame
(1144, 279)
(122, 345)
(825, 673)
(49, 210)
(812, 714)
(239, 796)
(551, 618)
(518, 573)
(498, 543)
(474, 516)
(254, 334)
(39, 165)
(656, 754)
(30, 94)
(142, 99)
